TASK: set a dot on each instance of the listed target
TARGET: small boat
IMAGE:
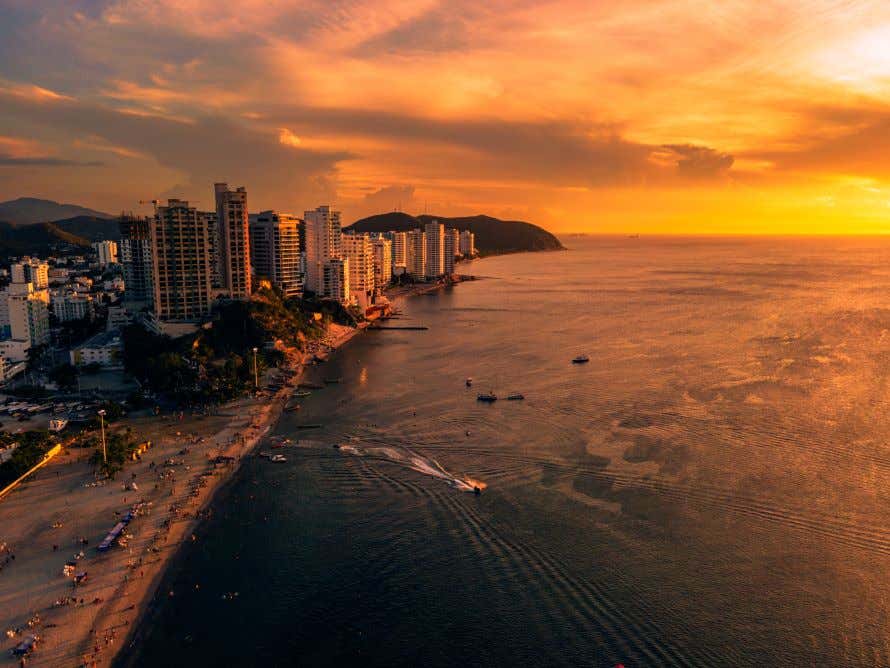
(516, 397)
(488, 398)
(580, 359)
(279, 458)
(332, 381)
(310, 386)
(266, 455)
(309, 426)
(302, 394)
(291, 409)
(469, 382)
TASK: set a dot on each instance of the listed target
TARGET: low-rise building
(105, 349)
(72, 306)
(335, 280)
(107, 252)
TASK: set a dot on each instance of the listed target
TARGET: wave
(416, 462)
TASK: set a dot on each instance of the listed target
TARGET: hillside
(30, 210)
(493, 236)
(91, 227)
(36, 239)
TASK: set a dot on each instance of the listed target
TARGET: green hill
(31, 210)
(493, 236)
(36, 239)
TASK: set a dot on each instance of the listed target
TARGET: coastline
(103, 624)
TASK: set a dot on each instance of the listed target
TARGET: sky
(639, 116)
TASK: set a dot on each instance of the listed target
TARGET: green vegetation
(216, 364)
(118, 448)
(32, 445)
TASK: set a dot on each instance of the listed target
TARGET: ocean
(711, 489)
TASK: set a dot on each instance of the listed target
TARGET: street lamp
(256, 378)
(102, 427)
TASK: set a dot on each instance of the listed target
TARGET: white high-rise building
(322, 244)
(415, 253)
(435, 249)
(467, 243)
(382, 262)
(234, 240)
(275, 250)
(31, 270)
(399, 241)
(335, 279)
(29, 314)
(107, 252)
(358, 250)
(452, 241)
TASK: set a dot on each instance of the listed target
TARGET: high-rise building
(31, 270)
(180, 242)
(398, 248)
(415, 253)
(435, 249)
(452, 242)
(358, 250)
(234, 240)
(135, 256)
(107, 252)
(382, 261)
(322, 244)
(29, 314)
(275, 250)
(212, 222)
(335, 279)
(467, 243)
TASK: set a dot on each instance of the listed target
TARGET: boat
(279, 459)
(310, 386)
(469, 382)
(265, 455)
(332, 381)
(580, 359)
(489, 397)
(516, 397)
(291, 409)
(302, 394)
(309, 426)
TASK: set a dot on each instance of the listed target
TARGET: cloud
(699, 161)
(10, 161)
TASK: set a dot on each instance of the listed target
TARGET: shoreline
(107, 618)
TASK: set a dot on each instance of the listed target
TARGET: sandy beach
(64, 511)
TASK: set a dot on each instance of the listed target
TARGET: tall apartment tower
(234, 240)
(452, 243)
(358, 250)
(435, 249)
(415, 253)
(135, 256)
(467, 243)
(275, 250)
(398, 248)
(322, 244)
(212, 222)
(382, 261)
(335, 280)
(181, 273)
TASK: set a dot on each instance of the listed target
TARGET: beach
(62, 512)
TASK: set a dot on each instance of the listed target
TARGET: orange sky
(674, 116)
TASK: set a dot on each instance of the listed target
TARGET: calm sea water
(710, 490)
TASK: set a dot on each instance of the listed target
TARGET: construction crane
(153, 202)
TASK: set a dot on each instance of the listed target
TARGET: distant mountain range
(29, 210)
(492, 236)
